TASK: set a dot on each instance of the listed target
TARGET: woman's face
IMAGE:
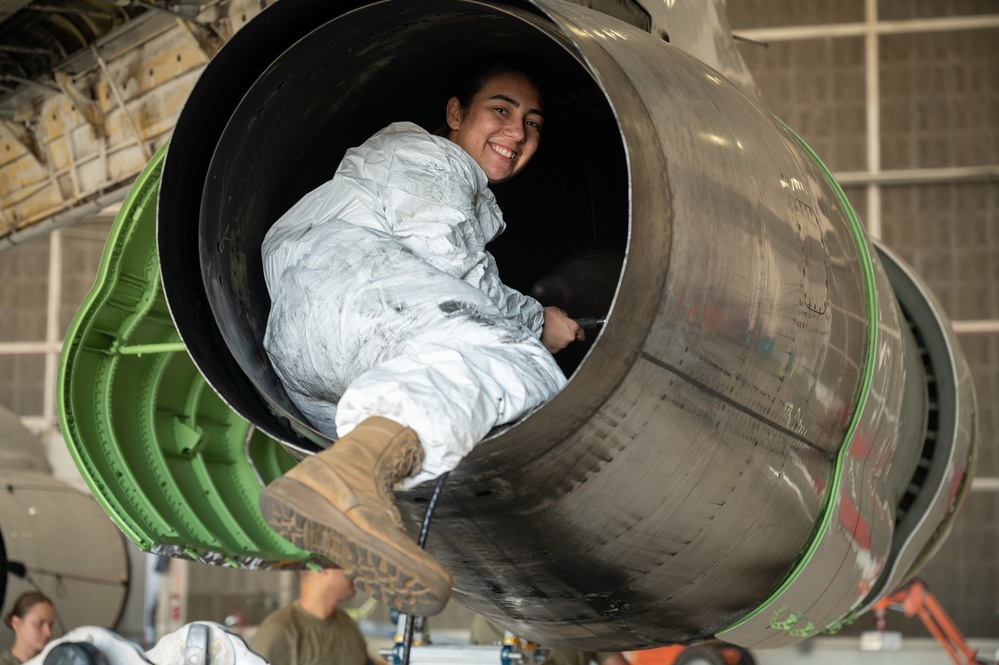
(501, 128)
(34, 629)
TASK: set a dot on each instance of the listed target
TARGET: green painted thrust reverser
(166, 458)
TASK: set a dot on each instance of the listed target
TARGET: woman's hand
(559, 330)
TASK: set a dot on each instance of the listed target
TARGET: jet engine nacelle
(774, 426)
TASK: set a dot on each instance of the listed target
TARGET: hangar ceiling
(36, 36)
(89, 89)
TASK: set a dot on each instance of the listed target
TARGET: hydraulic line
(424, 530)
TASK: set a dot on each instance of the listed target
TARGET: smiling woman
(500, 125)
(399, 336)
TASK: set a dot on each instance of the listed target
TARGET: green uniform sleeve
(275, 643)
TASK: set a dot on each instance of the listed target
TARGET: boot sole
(304, 517)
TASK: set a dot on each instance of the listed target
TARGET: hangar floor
(846, 650)
(818, 651)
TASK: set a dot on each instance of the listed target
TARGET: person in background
(31, 618)
(485, 632)
(312, 629)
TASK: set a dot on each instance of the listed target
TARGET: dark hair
(23, 605)
(475, 77)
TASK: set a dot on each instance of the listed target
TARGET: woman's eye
(500, 109)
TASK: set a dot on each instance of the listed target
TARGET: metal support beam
(26, 136)
(942, 24)
(938, 176)
(65, 218)
(88, 108)
(121, 103)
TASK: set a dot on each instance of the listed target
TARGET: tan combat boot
(339, 504)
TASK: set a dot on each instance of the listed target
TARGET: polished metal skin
(730, 455)
(700, 28)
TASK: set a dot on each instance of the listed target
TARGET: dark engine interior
(567, 212)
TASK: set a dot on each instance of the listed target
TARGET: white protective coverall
(384, 301)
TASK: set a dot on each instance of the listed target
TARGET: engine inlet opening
(566, 213)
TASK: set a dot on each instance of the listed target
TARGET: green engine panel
(175, 468)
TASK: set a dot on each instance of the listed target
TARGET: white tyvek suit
(385, 301)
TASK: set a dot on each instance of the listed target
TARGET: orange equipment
(916, 600)
(708, 653)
